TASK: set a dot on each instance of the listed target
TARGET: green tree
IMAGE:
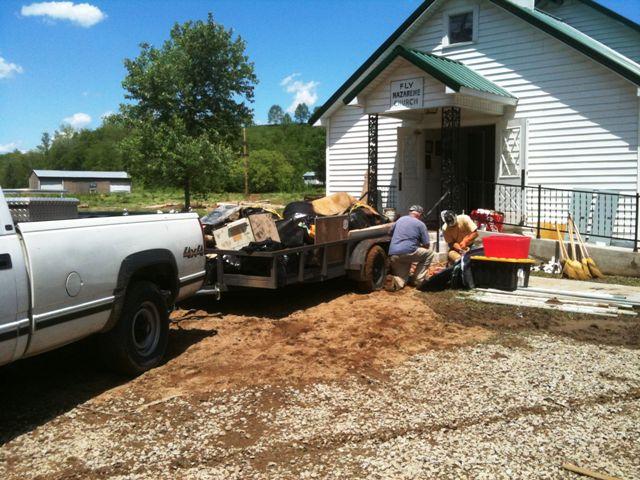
(301, 114)
(189, 95)
(275, 115)
(45, 143)
(167, 154)
(286, 119)
(269, 171)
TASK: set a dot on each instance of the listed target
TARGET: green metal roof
(453, 74)
(554, 27)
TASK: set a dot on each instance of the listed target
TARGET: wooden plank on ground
(588, 472)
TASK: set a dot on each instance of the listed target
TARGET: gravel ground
(514, 405)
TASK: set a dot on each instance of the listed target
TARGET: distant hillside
(279, 155)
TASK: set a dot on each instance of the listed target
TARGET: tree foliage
(301, 114)
(67, 150)
(269, 171)
(275, 115)
(165, 154)
(189, 103)
(112, 146)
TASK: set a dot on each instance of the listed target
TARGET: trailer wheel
(138, 341)
(375, 270)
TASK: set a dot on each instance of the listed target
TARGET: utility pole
(245, 154)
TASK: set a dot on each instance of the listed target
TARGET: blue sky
(57, 69)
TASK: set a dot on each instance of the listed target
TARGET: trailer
(362, 257)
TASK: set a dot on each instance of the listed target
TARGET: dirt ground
(257, 354)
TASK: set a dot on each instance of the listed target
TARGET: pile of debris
(258, 228)
(236, 227)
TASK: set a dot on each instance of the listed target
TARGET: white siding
(583, 118)
(603, 28)
(348, 145)
(581, 115)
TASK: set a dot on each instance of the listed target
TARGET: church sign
(407, 93)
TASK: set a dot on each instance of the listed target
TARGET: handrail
(445, 195)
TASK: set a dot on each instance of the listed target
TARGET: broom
(568, 270)
(580, 271)
(588, 263)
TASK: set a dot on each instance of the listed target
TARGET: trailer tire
(374, 271)
(138, 341)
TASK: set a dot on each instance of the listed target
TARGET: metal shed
(80, 181)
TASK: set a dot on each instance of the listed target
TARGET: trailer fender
(355, 270)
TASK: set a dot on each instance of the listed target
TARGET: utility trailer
(362, 257)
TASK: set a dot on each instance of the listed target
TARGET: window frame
(474, 10)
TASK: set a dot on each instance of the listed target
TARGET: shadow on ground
(271, 304)
(35, 390)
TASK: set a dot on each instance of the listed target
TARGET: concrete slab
(564, 284)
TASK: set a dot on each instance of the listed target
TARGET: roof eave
(401, 52)
(567, 39)
(611, 14)
(417, 13)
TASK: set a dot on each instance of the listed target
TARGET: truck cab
(116, 277)
(14, 290)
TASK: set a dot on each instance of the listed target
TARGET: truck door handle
(5, 261)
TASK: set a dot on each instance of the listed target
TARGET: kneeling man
(459, 232)
(409, 245)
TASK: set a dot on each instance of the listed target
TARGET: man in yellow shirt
(459, 232)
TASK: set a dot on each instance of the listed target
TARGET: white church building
(528, 107)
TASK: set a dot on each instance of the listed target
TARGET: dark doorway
(477, 163)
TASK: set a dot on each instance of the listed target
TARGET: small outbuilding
(312, 179)
(80, 181)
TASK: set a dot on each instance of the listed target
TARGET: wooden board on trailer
(264, 227)
(333, 229)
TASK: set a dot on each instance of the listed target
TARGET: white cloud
(7, 69)
(83, 14)
(78, 120)
(303, 92)
(9, 147)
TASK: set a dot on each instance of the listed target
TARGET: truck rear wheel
(138, 341)
(375, 270)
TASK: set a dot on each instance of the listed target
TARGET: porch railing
(601, 216)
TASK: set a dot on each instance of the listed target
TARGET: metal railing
(601, 216)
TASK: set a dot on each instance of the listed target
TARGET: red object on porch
(506, 246)
(489, 220)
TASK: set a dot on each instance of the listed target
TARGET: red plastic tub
(506, 246)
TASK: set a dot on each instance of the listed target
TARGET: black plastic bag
(267, 245)
(438, 282)
(298, 209)
(291, 235)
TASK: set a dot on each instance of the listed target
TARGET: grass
(168, 199)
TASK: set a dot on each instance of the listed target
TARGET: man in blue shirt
(409, 245)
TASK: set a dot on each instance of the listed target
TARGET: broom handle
(573, 245)
(563, 253)
(575, 228)
(583, 246)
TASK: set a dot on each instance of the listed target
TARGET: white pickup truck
(117, 277)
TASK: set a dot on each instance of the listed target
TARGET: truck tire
(375, 270)
(138, 341)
